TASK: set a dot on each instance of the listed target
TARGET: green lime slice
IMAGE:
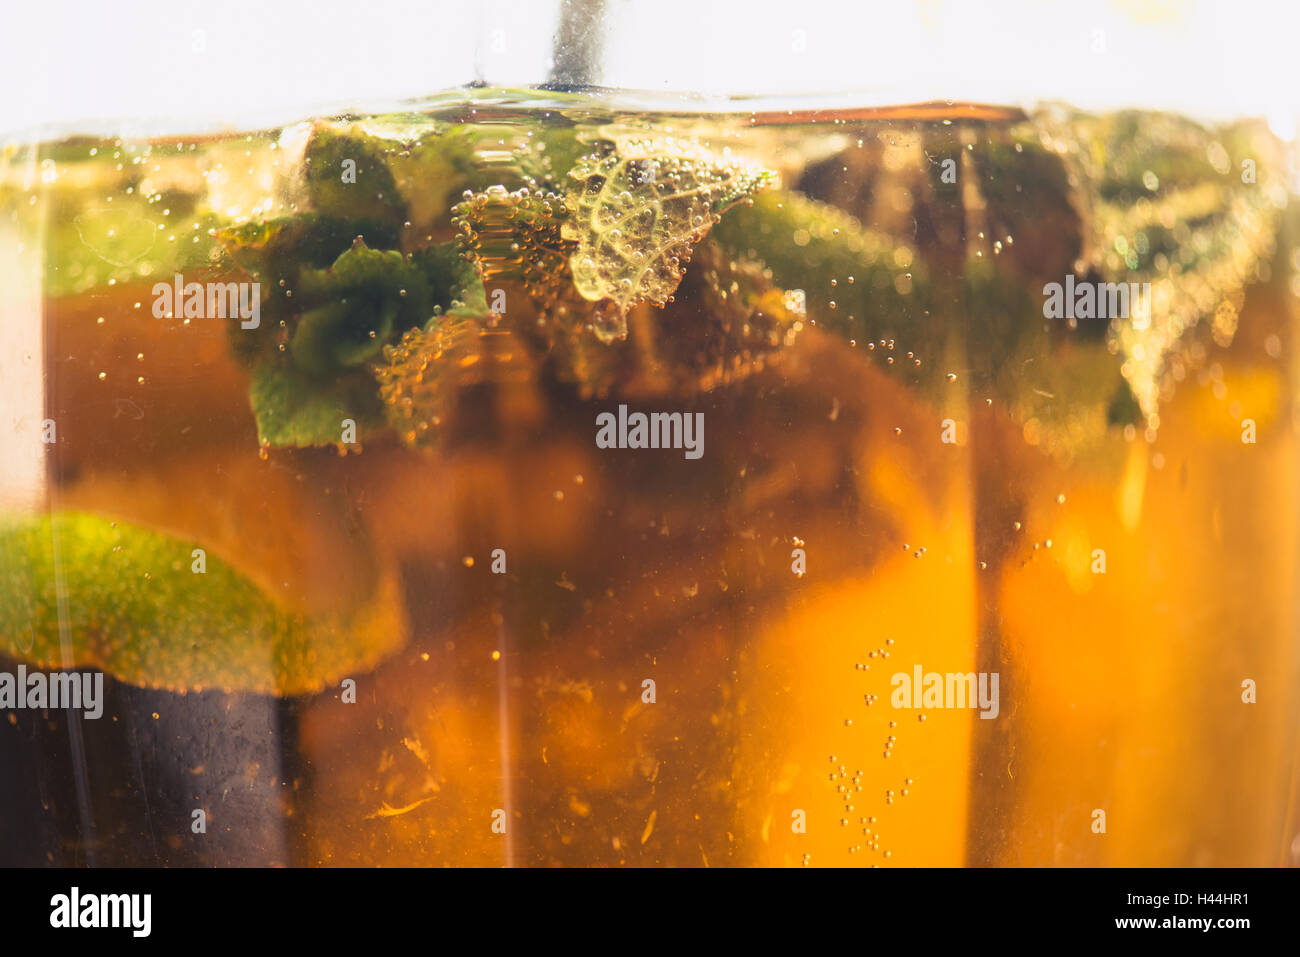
(78, 590)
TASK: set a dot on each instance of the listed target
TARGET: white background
(186, 64)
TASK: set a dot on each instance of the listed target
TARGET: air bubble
(609, 321)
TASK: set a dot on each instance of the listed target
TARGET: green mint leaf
(857, 282)
(294, 408)
(277, 253)
(336, 325)
(636, 213)
(347, 176)
(354, 307)
(454, 282)
(429, 170)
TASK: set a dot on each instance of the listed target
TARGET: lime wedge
(78, 590)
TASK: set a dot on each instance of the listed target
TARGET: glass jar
(960, 527)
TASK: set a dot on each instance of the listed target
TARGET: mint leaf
(337, 323)
(637, 212)
(452, 278)
(277, 253)
(295, 409)
(347, 177)
(369, 296)
(354, 307)
(430, 170)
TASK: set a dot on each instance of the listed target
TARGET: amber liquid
(515, 726)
